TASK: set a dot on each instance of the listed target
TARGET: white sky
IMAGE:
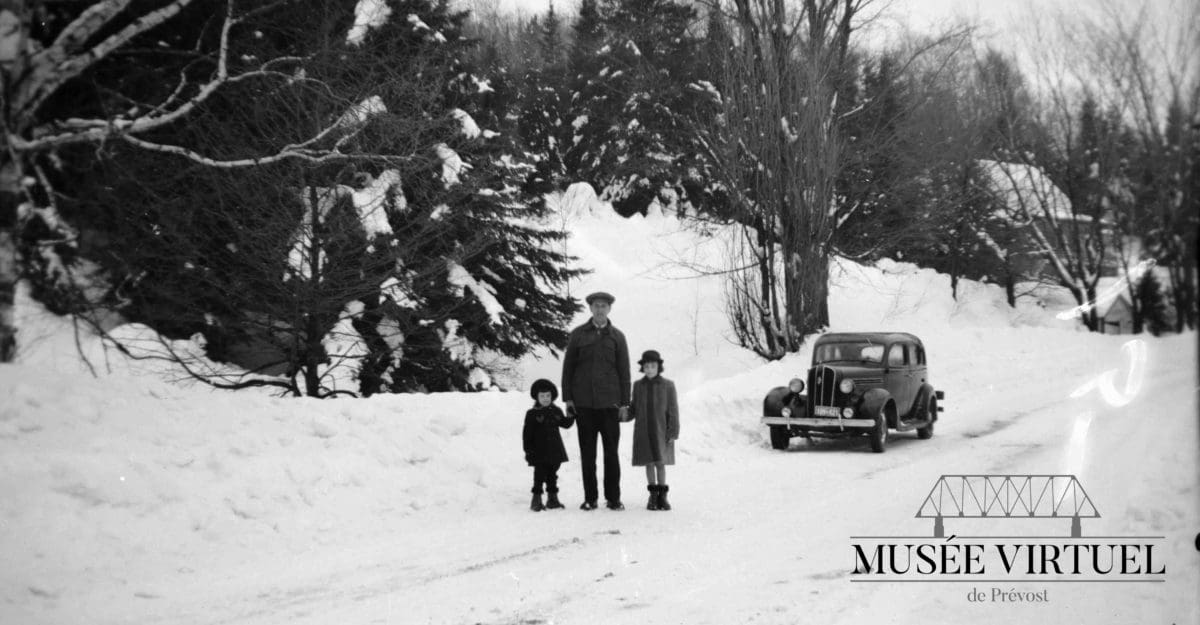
(1000, 20)
(1000, 13)
(1015, 26)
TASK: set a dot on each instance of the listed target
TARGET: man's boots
(663, 504)
(652, 504)
(552, 501)
(536, 504)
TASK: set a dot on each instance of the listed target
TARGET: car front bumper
(823, 422)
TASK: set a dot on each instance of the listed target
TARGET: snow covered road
(764, 536)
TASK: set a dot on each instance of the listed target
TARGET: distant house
(1116, 315)
(1026, 197)
(1025, 193)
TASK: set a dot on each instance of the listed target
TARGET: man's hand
(623, 413)
(570, 404)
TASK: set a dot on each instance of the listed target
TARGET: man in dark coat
(595, 384)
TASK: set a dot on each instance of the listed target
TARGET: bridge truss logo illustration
(1007, 496)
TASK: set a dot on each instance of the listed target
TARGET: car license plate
(826, 411)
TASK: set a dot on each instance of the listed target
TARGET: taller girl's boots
(663, 504)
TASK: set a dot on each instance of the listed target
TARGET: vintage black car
(860, 383)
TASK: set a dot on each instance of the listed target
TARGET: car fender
(773, 403)
(923, 394)
(873, 401)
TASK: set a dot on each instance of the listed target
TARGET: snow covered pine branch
(43, 74)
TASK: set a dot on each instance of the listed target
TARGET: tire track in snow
(295, 599)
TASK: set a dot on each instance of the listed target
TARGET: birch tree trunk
(783, 153)
(33, 72)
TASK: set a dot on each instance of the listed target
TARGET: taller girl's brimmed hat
(650, 356)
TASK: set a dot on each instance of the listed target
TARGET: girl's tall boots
(663, 504)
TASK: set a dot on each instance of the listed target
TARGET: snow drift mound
(668, 277)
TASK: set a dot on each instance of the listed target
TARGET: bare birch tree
(1147, 57)
(778, 149)
(1101, 74)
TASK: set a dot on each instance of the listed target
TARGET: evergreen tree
(1167, 190)
(633, 102)
(1152, 305)
(874, 172)
(418, 268)
(589, 35)
(543, 106)
(716, 46)
(551, 39)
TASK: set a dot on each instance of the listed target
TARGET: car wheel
(930, 412)
(879, 435)
(779, 437)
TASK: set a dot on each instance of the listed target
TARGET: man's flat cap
(600, 295)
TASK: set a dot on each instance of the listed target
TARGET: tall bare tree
(1147, 60)
(1120, 87)
(778, 148)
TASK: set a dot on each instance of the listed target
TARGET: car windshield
(857, 351)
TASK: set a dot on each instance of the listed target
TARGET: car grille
(822, 382)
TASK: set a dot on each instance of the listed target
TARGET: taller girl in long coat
(655, 411)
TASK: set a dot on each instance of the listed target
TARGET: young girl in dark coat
(544, 449)
(655, 412)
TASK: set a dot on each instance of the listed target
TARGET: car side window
(920, 355)
(896, 355)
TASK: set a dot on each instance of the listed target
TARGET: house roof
(1114, 295)
(1115, 303)
(1025, 192)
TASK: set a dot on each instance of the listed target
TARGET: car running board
(905, 426)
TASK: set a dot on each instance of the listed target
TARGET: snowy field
(126, 498)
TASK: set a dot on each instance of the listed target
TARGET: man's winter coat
(655, 421)
(596, 367)
(543, 443)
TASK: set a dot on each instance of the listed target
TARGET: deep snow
(128, 498)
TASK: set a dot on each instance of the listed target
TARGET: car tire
(779, 437)
(930, 413)
(879, 434)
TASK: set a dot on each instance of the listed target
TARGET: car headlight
(796, 385)
(847, 412)
(787, 412)
(847, 386)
